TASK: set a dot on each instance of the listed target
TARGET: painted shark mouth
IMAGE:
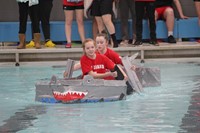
(69, 95)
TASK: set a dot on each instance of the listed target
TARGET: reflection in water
(191, 120)
(22, 119)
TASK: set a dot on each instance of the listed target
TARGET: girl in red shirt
(97, 65)
(102, 48)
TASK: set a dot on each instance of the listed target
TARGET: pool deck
(146, 51)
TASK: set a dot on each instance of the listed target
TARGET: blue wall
(184, 28)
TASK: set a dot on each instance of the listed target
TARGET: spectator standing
(126, 7)
(164, 10)
(102, 10)
(30, 7)
(69, 7)
(45, 13)
(142, 7)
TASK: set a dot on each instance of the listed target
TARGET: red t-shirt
(114, 56)
(68, 3)
(100, 64)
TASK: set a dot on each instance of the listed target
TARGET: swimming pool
(173, 107)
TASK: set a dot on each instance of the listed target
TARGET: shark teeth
(70, 93)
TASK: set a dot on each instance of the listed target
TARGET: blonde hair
(86, 41)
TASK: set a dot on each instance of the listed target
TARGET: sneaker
(50, 44)
(68, 45)
(138, 42)
(154, 42)
(171, 39)
(31, 44)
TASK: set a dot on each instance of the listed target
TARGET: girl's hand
(125, 77)
(65, 74)
(114, 74)
(133, 67)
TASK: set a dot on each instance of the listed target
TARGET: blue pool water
(173, 107)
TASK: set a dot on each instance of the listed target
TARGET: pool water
(170, 108)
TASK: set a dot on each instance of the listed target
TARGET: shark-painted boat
(72, 90)
(88, 89)
(80, 90)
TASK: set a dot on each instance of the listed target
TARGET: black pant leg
(23, 16)
(34, 15)
(139, 9)
(124, 16)
(151, 17)
(45, 11)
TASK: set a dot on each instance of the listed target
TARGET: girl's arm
(102, 75)
(77, 66)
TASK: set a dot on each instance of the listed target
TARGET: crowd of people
(102, 15)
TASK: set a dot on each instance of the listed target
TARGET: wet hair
(103, 35)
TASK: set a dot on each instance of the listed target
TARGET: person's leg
(107, 20)
(100, 24)
(35, 19)
(80, 23)
(151, 16)
(106, 11)
(96, 13)
(156, 15)
(131, 5)
(139, 8)
(124, 15)
(68, 24)
(169, 17)
(94, 28)
(23, 15)
(45, 12)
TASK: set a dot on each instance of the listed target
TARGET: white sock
(170, 33)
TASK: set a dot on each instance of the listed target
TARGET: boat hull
(98, 90)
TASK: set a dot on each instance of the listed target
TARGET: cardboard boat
(88, 89)
(72, 90)
(80, 90)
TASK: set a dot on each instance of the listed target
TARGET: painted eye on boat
(88, 81)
